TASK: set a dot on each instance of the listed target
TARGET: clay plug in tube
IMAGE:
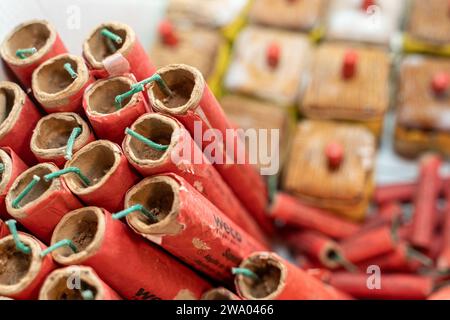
(267, 276)
(168, 211)
(189, 99)
(23, 270)
(60, 285)
(11, 166)
(38, 199)
(29, 45)
(221, 294)
(154, 144)
(113, 48)
(105, 244)
(107, 175)
(18, 117)
(58, 136)
(59, 83)
(109, 117)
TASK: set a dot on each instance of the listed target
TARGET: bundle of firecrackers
(89, 149)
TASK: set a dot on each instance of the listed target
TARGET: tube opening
(34, 35)
(181, 82)
(269, 277)
(53, 78)
(157, 197)
(155, 129)
(59, 289)
(37, 191)
(101, 98)
(53, 133)
(95, 161)
(101, 47)
(7, 102)
(14, 264)
(81, 228)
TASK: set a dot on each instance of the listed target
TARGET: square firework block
(187, 44)
(429, 24)
(348, 84)
(331, 166)
(365, 21)
(423, 114)
(247, 113)
(288, 14)
(269, 64)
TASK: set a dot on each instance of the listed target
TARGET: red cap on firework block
(349, 64)
(440, 83)
(273, 54)
(366, 4)
(335, 154)
(167, 33)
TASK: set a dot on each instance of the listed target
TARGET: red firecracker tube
(111, 249)
(33, 34)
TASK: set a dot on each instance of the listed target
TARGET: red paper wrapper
(441, 294)
(18, 281)
(369, 244)
(56, 286)
(55, 89)
(386, 215)
(393, 286)
(108, 246)
(316, 246)
(52, 132)
(189, 226)
(34, 33)
(104, 164)
(322, 275)
(3, 229)
(219, 294)
(17, 126)
(196, 108)
(443, 261)
(47, 202)
(291, 211)
(278, 279)
(13, 166)
(127, 57)
(99, 105)
(203, 176)
(424, 215)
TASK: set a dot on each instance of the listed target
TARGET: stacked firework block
(77, 204)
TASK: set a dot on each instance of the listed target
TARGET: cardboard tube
(21, 274)
(189, 226)
(52, 132)
(220, 294)
(18, 119)
(292, 211)
(54, 87)
(278, 279)
(387, 214)
(369, 244)
(38, 34)
(393, 286)
(62, 285)
(195, 107)
(12, 167)
(127, 57)
(316, 246)
(443, 261)
(103, 162)
(424, 215)
(47, 202)
(99, 105)
(203, 176)
(111, 249)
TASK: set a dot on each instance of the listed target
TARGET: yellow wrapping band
(220, 67)
(412, 45)
(231, 30)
